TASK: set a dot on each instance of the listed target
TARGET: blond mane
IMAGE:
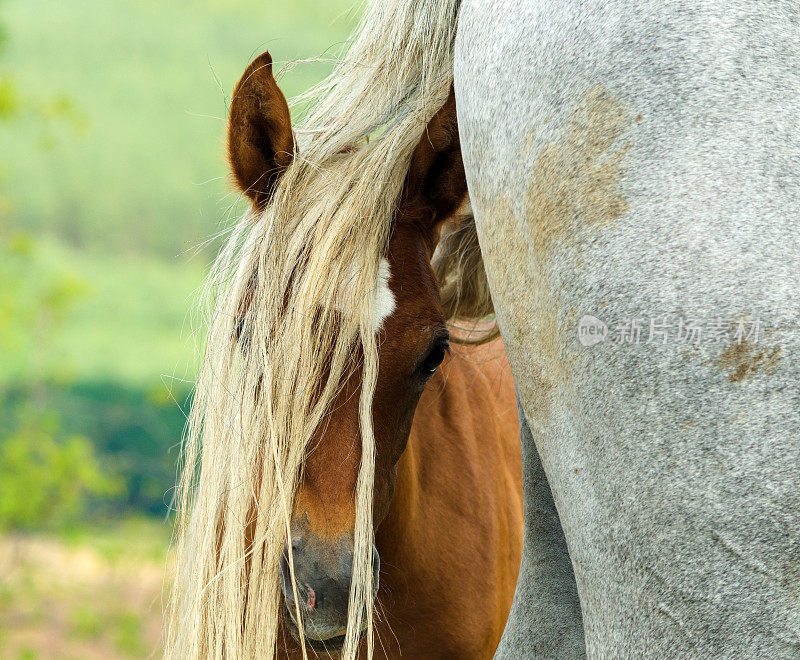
(264, 387)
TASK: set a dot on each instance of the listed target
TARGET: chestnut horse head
(412, 341)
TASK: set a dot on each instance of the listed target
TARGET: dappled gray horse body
(633, 171)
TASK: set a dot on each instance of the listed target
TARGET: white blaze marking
(384, 298)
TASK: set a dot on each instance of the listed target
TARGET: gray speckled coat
(633, 167)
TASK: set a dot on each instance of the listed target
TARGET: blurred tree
(45, 483)
(46, 480)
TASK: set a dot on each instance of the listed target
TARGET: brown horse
(447, 491)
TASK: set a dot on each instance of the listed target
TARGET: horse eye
(434, 358)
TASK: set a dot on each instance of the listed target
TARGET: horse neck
(476, 378)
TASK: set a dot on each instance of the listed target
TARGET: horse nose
(323, 573)
(317, 588)
(313, 569)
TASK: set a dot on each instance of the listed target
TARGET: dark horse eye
(434, 358)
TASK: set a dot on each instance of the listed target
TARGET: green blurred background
(113, 185)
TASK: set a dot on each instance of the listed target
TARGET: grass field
(95, 595)
(112, 180)
(134, 164)
(123, 188)
(131, 319)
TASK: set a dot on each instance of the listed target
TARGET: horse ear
(260, 139)
(436, 175)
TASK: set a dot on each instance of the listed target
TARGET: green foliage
(35, 297)
(2, 35)
(128, 636)
(87, 622)
(45, 483)
(144, 172)
(134, 437)
(9, 97)
(95, 354)
(47, 478)
(127, 320)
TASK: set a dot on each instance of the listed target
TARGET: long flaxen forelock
(307, 267)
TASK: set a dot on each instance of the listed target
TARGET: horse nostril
(297, 546)
(311, 601)
(305, 593)
(286, 578)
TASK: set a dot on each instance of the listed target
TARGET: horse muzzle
(323, 571)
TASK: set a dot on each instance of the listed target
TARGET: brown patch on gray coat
(743, 360)
(575, 179)
(573, 187)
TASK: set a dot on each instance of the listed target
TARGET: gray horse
(633, 169)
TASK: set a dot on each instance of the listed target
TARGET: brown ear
(260, 139)
(436, 176)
